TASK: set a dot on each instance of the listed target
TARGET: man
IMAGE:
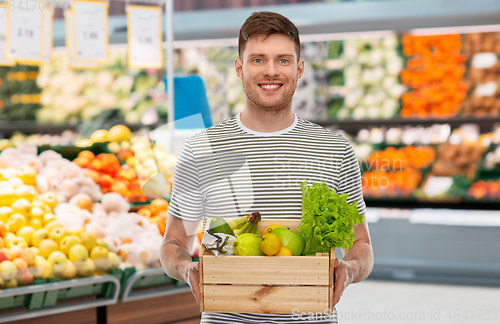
(256, 161)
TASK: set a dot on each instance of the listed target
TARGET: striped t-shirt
(229, 170)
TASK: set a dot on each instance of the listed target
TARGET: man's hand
(192, 275)
(344, 276)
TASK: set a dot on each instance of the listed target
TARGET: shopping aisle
(382, 302)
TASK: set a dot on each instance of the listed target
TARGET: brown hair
(267, 23)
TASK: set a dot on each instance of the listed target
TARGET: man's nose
(271, 70)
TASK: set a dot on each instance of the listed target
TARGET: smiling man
(257, 160)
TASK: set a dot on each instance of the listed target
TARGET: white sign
(484, 60)
(68, 16)
(144, 37)
(90, 31)
(25, 32)
(47, 35)
(3, 31)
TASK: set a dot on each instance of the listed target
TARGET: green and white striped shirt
(229, 170)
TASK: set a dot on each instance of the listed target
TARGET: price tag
(3, 30)
(90, 31)
(144, 37)
(47, 34)
(24, 39)
(68, 16)
(483, 60)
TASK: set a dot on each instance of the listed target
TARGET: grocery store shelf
(414, 204)
(149, 275)
(353, 126)
(55, 287)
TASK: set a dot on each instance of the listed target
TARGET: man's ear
(300, 69)
(238, 67)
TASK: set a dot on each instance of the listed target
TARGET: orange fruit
(270, 244)
(284, 252)
(85, 203)
(82, 162)
(158, 205)
(119, 133)
(120, 188)
(94, 175)
(86, 154)
(144, 212)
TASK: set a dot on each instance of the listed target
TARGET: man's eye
(283, 61)
(257, 60)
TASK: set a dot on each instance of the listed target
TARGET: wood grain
(200, 267)
(257, 270)
(332, 278)
(266, 299)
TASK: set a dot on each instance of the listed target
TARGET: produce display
(19, 93)
(435, 72)
(458, 160)
(371, 78)
(485, 190)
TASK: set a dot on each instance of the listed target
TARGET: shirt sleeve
(187, 201)
(350, 179)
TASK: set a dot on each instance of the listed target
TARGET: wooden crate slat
(332, 278)
(265, 299)
(258, 270)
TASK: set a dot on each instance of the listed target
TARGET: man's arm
(174, 253)
(357, 263)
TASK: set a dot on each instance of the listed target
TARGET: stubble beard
(254, 100)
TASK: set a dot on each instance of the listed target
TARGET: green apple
(291, 240)
(27, 233)
(113, 260)
(100, 242)
(78, 253)
(85, 268)
(18, 241)
(247, 244)
(59, 262)
(46, 247)
(70, 271)
(16, 221)
(68, 242)
(99, 255)
(12, 283)
(39, 235)
(58, 233)
(8, 270)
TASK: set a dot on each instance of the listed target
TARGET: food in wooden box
(482, 43)
(456, 160)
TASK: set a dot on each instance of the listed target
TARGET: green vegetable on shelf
(327, 219)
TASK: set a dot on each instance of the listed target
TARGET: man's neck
(267, 121)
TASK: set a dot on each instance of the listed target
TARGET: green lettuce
(327, 219)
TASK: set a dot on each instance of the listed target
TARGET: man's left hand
(344, 276)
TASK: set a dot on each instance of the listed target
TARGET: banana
(237, 222)
(250, 226)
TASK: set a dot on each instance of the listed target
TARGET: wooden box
(267, 284)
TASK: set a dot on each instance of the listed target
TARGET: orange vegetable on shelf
(400, 183)
(156, 212)
(396, 159)
(485, 190)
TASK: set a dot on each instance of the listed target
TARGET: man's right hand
(192, 275)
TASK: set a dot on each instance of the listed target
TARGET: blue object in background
(190, 99)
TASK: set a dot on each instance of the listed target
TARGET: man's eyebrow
(280, 55)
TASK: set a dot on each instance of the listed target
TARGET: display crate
(262, 284)
(149, 283)
(42, 299)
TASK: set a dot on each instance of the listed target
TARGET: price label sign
(144, 37)
(90, 31)
(47, 35)
(24, 39)
(3, 31)
(72, 63)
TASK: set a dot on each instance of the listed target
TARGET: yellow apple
(7, 195)
(27, 174)
(46, 247)
(88, 240)
(16, 221)
(27, 233)
(100, 242)
(58, 233)
(42, 268)
(21, 206)
(68, 242)
(25, 192)
(49, 199)
(59, 262)
(14, 251)
(12, 283)
(52, 224)
(8, 270)
(15, 182)
(37, 212)
(35, 250)
(48, 217)
(38, 236)
(70, 271)
(5, 212)
(28, 255)
(99, 255)
(9, 236)
(35, 223)
(78, 253)
(85, 268)
(77, 231)
(2, 283)
(18, 241)
(113, 260)
(4, 229)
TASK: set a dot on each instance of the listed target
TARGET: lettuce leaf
(327, 219)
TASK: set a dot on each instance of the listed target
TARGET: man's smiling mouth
(270, 86)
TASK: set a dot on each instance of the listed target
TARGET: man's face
(269, 71)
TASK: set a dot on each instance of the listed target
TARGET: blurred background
(413, 84)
